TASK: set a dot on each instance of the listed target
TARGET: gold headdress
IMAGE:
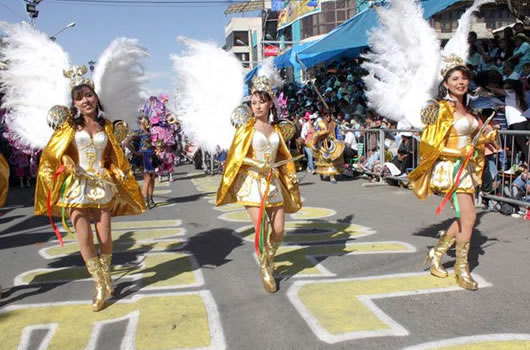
(262, 83)
(76, 76)
(450, 62)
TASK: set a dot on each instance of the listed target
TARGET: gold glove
(69, 164)
(456, 153)
(489, 138)
(118, 173)
(262, 166)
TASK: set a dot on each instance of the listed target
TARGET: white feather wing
(209, 85)
(119, 77)
(458, 43)
(404, 63)
(32, 82)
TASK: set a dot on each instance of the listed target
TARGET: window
(333, 13)
(240, 38)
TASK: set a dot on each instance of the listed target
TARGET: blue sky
(96, 26)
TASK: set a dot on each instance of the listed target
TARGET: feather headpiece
(267, 79)
(76, 75)
(38, 76)
(406, 65)
(210, 84)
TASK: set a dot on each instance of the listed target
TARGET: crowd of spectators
(500, 81)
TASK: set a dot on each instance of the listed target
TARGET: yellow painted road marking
(351, 313)
(235, 216)
(313, 213)
(165, 321)
(117, 247)
(479, 342)
(313, 231)
(156, 271)
(140, 235)
(132, 225)
(160, 192)
(301, 261)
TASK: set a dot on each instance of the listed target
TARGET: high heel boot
(94, 269)
(104, 261)
(266, 271)
(463, 276)
(435, 254)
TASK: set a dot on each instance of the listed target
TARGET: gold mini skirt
(249, 188)
(84, 190)
(443, 178)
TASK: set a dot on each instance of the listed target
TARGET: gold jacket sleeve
(240, 149)
(433, 141)
(4, 180)
(128, 200)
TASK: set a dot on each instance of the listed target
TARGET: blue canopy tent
(351, 36)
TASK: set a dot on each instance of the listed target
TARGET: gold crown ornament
(76, 76)
(262, 83)
(450, 62)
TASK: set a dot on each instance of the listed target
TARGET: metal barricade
(509, 176)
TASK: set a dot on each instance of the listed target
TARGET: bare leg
(277, 220)
(81, 221)
(103, 231)
(145, 185)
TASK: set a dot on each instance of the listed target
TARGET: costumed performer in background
(83, 172)
(451, 152)
(327, 148)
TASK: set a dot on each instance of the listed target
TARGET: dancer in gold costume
(96, 183)
(445, 143)
(252, 175)
(405, 66)
(327, 148)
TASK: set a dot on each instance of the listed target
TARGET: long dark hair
(78, 120)
(442, 90)
(264, 96)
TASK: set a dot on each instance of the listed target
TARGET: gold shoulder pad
(429, 114)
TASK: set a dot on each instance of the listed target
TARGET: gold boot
(434, 255)
(463, 277)
(104, 261)
(94, 268)
(265, 271)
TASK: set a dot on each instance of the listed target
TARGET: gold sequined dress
(435, 172)
(102, 176)
(244, 184)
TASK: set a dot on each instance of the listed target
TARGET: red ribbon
(49, 205)
(457, 182)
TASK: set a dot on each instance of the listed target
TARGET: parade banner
(291, 11)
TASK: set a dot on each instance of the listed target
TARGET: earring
(271, 116)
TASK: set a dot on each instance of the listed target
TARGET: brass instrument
(121, 130)
(172, 120)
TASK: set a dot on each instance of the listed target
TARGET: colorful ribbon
(49, 206)
(455, 184)
(65, 185)
(259, 240)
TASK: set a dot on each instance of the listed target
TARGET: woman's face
(260, 107)
(86, 101)
(457, 84)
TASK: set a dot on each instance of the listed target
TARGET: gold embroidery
(47, 173)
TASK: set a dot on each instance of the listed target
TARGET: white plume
(458, 43)
(118, 78)
(404, 63)
(209, 84)
(32, 82)
(267, 69)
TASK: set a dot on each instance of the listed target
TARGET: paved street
(350, 276)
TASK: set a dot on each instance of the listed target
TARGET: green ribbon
(455, 199)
